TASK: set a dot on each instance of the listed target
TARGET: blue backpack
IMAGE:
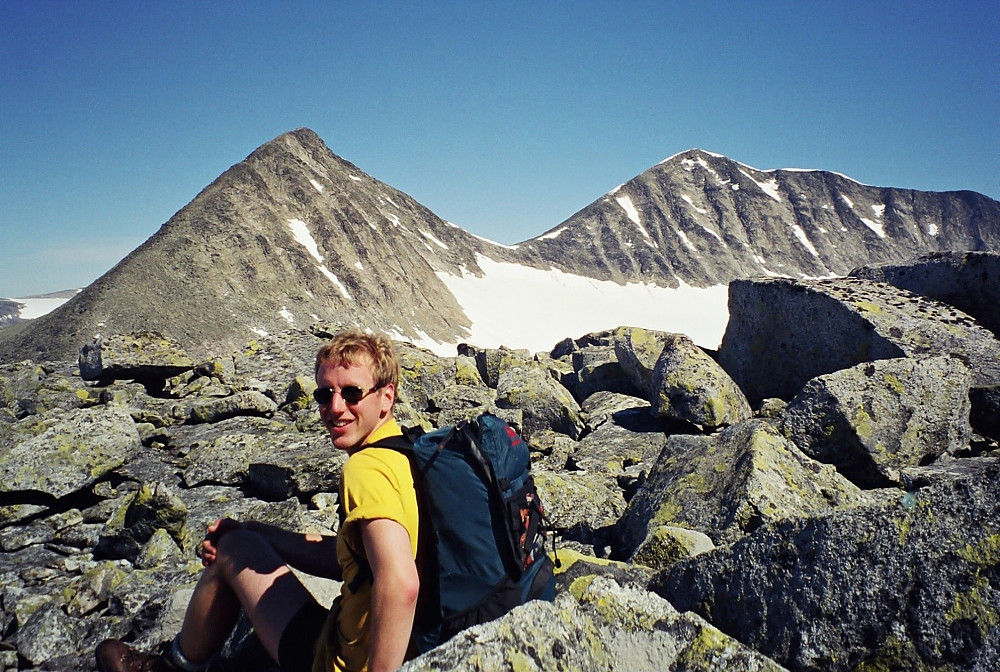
(482, 526)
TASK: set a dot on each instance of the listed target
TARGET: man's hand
(210, 545)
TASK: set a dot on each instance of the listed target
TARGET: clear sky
(504, 118)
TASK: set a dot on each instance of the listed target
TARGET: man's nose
(337, 404)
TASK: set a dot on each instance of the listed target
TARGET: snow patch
(553, 234)
(874, 226)
(287, 315)
(770, 187)
(317, 185)
(879, 210)
(849, 202)
(260, 332)
(687, 199)
(355, 178)
(336, 281)
(633, 214)
(34, 307)
(801, 235)
(932, 229)
(300, 231)
(558, 304)
(495, 243)
(430, 237)
(687, 241)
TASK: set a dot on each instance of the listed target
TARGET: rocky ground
(701, 522)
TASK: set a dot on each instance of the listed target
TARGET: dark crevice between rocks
(80, 500)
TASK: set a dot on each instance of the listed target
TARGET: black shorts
(295, 648)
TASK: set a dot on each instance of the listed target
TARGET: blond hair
(354, 347)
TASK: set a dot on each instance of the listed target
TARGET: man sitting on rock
(248, 565)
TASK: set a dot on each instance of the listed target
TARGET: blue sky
(502, 117)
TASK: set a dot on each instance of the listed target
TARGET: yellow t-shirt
(375, 483)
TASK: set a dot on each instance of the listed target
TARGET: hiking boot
(117, 656)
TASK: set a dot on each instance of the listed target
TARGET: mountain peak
(295, 235)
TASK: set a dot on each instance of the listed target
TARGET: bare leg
(249, 575)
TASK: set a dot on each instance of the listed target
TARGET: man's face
(351, 424)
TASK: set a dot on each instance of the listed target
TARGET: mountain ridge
(295, 234)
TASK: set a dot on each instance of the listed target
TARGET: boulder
(638, 350)
(137, 356)
(62, 453)
(544, 403)
(596, 369)
(689, 385)
(729, 484)
(875, 419)
(242, 403)
(783, 333)
(969, 281)
(909, 583)
(597, 625)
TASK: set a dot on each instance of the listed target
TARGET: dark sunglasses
(350, 394)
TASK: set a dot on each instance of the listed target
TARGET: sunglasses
(351, 394)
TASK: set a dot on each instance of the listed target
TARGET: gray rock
(64, 453)
(598, 625)
(689, 385)
(135, 356)
(782, 333)
(241, 403)
(638, 351)
(970, 281)
(596, 369)
(909, 584)
(545, 403)
(874, 419)
(729, 484)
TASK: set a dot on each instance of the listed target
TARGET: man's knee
(243, 549)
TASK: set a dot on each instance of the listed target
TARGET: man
(247, 564)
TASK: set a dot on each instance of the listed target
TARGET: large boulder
(64, 452)
(909, 584)
(638, 351)
(876, 419)
(689, 385)
(135, 356)
(782, 333)
(598, 625)
(545, 404)
(729, 484)
(970, 281)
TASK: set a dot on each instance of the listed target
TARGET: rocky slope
(705, 219)
(295, 235)
(290, 236)
(850, 523)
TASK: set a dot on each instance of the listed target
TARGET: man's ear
(388, 398)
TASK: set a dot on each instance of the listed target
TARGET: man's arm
(395, 585)
(311, 553)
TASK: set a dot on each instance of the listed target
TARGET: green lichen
(893, 655)
(894, 383)
(864, 425)
(868, 307)
(985, 552)
(976, 606)
(580, 586)
(669, 513)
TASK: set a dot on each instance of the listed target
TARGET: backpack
(480, 550)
